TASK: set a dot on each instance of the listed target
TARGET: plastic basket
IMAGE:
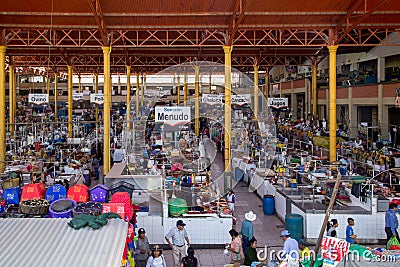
(9, 183)
(90, 208)
(35, 206)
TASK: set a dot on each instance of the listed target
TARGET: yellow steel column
(70, 102)
(96, 90)
(137, 94)
(209, 84)
(185, 89)
(106, 112)
(255, 92)
(11, 100)
(143, 85)
(266, 94)
(197, 102)
(314, 90)
(228, 100)
(48, 86)
(332, 102)
(55, 97)
(80, 84)
(2, 108)
(15, 96)
(178, 91)
(128, 97)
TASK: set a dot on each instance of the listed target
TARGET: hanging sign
(211, 99)
(333, 250)
(38, 99)
(77, 96)
(172, 115)
(278, 102)
(97, 98)
(241, 99)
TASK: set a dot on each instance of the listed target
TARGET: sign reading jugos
(172, 115)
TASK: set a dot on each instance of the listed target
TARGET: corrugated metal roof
(41, 242)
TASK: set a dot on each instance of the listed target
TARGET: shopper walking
(142, 249)
(350, 236)
(235, 247)
(190, 260)
(231, 199)
(156, 258)
(178, 235)
(290, 248)
(96, 166)
(391, 222)
(247, 228)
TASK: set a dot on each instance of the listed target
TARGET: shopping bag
(392, 242)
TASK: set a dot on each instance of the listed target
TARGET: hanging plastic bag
(131, 259)
(392, 242)
(226, 252)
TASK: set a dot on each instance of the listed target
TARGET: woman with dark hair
(231, 199)
(332, 225)
(235, 247)
(250, 254)
(156, 259)
(190, 260)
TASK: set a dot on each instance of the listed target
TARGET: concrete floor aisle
(266, 228)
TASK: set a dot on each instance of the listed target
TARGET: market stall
(164, 200)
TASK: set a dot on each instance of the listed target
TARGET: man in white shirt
(178, 235)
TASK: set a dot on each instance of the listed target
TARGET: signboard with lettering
(241, 99)
(211, 99)
(77, 96)
(38, 99)
(97, 98)
(333, 250)
(172, 115)
(278, 102)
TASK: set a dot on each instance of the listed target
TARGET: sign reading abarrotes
(172, 115)
(38, 99)
(241, 99)
(278, 102)
(97, 98)
(211, 99)
(77, 96)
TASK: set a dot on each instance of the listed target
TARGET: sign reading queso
(172, 115)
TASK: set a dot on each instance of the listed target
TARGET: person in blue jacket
(391, 222)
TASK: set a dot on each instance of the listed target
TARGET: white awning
(45, 242)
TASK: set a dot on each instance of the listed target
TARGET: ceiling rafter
(354, 5)
(359, 20)
(235, 21)
(98, 15)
